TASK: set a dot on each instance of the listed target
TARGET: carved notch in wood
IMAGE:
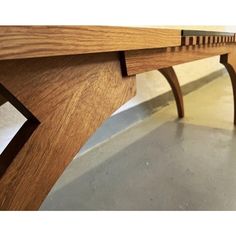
(20, 138)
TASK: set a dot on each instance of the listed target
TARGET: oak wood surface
(139, 61)
(70, 96)
(42, 41)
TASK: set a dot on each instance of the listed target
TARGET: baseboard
(130, 117)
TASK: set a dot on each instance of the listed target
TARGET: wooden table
(68, 80)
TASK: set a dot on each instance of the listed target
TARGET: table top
(43, 41)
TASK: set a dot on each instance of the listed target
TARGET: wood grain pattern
(71, 96)
(172, 79)
(42, 41)
(145, 60)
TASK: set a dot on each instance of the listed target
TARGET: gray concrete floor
(162, 163)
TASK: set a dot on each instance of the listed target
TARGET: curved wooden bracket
(71, 96)
(229, 61)
(172, 79)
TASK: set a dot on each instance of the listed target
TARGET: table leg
(229, 61)
(172, 79)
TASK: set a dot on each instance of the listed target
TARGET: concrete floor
(161, 163)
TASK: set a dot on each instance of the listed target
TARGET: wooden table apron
(65, 97)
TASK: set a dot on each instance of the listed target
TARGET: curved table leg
(70, 96)
(172, 79)
(229, 61)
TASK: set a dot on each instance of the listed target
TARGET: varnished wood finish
(229, 61)
(172, 79)
(42, 41)
(70, 96)
(139, 61)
